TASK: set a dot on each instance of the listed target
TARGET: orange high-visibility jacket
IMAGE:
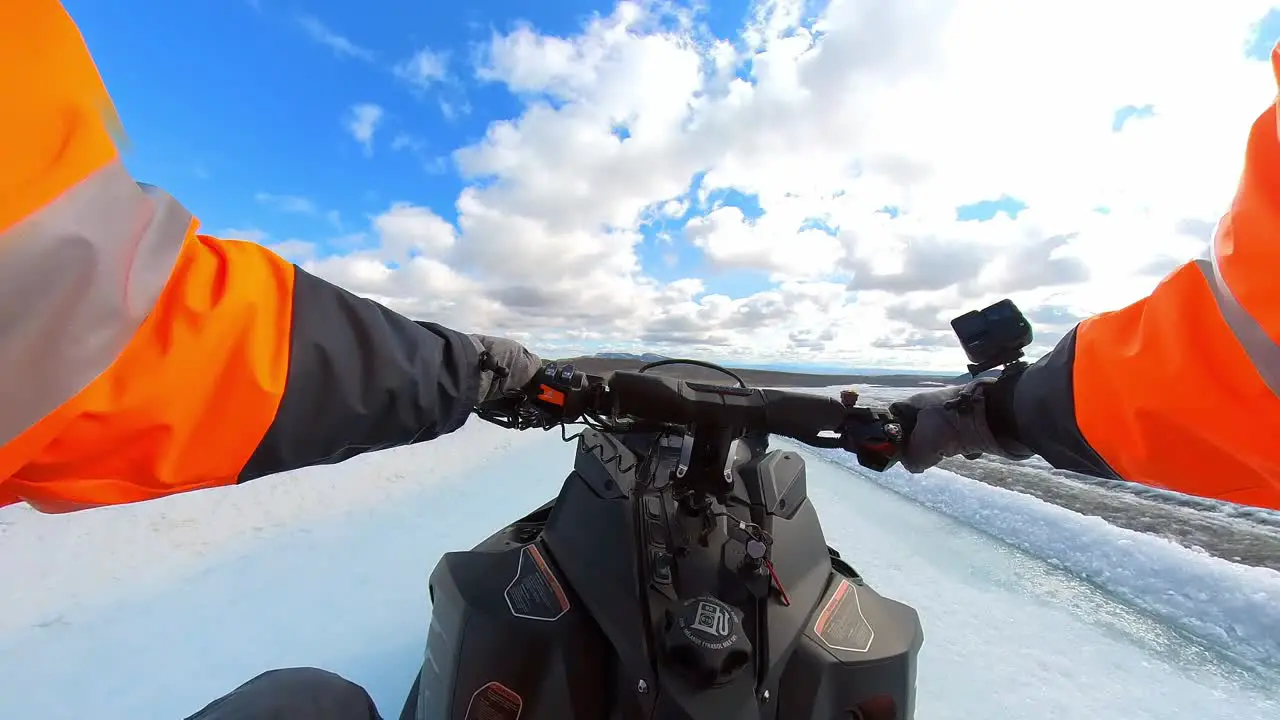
(139, 358)
(1180, 390)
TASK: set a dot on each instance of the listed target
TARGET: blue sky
(239, 108)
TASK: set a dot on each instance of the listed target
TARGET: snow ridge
(1234, 608)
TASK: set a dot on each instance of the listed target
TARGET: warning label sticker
(535, 593)
(494, 701)
(841, 625)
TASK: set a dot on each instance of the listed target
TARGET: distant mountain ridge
(804, 369)
(641, 357)
(606, 363)
(966, 377)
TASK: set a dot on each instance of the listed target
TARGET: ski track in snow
(153, 610)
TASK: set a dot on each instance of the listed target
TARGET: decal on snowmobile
(535, 593)
(494, 701)
(841, 625)
(712, 625)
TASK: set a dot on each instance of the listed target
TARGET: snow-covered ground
(1030, 610)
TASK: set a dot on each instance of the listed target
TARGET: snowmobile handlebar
(562, 394)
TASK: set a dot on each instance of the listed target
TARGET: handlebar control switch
(703, 638)
(560, 391)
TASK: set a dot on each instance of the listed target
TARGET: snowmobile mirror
(992, 336)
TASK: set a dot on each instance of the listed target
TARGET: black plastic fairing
(775, 481)
(592, 534)
(624, 552)
(501, 649)
(857, 646)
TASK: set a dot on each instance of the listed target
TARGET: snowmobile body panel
(509, 638)
(563, 614)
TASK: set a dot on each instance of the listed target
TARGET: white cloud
(424, 68)
(729, 240)
(453, 110)
(407, 230)
(362, 121)
(298, 205)
(340, 45)
(407, 142)
(919, 105)
(287, 203)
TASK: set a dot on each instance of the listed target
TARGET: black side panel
(781, 479)
(362, 378)
(509, 638)
(591, 534)
(1044, 413)
(801, 560)
(858, 648)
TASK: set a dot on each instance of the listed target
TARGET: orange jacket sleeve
(1180, 390)
(142, 358)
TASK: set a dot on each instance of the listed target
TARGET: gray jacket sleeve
(362, 377)
(1037, 408)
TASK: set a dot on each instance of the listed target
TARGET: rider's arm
(1180, 390)
(141, 358)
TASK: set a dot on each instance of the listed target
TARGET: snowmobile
(680, 574)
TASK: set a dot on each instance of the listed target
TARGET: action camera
(992, 336)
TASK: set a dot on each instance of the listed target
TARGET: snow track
(155, 609)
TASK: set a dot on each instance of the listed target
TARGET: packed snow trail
(155, 609)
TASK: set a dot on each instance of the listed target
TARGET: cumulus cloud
(857, 129)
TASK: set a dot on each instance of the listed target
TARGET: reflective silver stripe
(1262, 351)
(77, 278)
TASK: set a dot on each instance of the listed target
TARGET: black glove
(505, 366)
(952, 421)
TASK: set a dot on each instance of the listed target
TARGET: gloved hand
(952, 421)
(498, 354)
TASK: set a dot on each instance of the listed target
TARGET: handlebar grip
(801, 415)
(666, 399)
